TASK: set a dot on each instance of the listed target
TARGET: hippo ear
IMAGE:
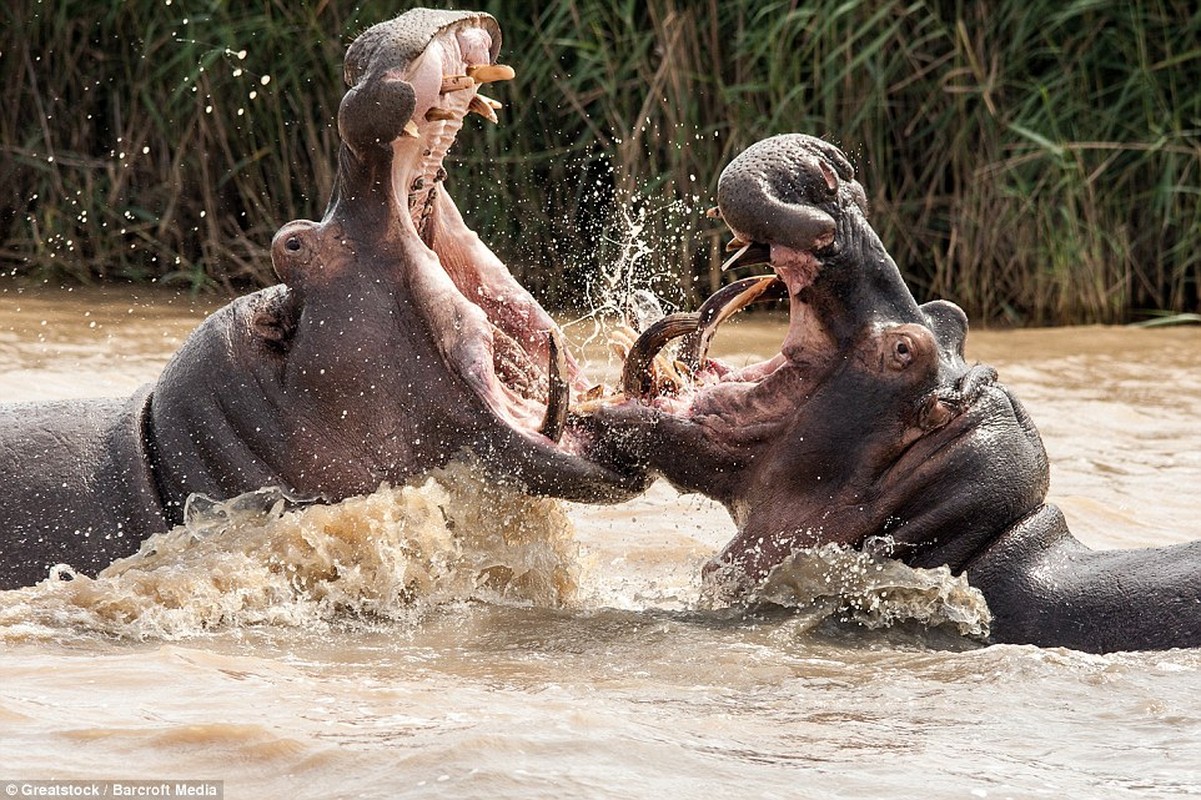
(949, 324)
(274, 318)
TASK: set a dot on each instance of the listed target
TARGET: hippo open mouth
(518, 369)
(457, 354)
(868, 412)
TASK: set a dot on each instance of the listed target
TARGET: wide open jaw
(492, 332)
(868, 422)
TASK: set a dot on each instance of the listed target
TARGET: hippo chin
(869, 423)
(395, 341)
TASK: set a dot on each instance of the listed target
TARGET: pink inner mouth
(751, 397)
(490, 330)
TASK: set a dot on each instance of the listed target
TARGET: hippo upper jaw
(510, 354)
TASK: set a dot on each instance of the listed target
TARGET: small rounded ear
(275, 317)
(949, 324)
(293, 251)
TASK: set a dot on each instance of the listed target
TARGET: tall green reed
(1037, 163)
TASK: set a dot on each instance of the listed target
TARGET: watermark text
(214, 790)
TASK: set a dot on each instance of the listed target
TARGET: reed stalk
(1038, 163)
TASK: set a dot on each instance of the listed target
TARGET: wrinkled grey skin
(367, 363)
(874, 425)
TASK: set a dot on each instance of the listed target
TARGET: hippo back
(78, 485)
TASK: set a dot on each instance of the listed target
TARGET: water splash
(868, 588)
(617, 292)
(875, 591)
(391, 555)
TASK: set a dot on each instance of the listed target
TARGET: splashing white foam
(389, 555)
(871, 589)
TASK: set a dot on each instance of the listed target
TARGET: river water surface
(454, 640)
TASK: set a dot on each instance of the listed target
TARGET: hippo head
(395, 339)
(868, 423)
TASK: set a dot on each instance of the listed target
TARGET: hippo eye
(292, 244)
(902, 352)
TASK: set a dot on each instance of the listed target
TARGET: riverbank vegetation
(1038, 163)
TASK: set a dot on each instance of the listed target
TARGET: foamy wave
(388, 555)
(873, 590)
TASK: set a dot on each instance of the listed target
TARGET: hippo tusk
(558, 397)
(490, 73)
(725, 303)
(455, 83)
(635, 375)
(439, 114)
(411, 130)
(699, 326)
(750, 254)
(481, 106)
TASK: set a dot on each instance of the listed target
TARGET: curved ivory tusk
(725, 303)
(558, 397)
(635, 375)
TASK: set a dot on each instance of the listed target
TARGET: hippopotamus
(869, 425)
(394, 341)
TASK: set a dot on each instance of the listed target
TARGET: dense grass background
(1035, 162)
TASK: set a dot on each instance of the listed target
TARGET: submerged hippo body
(395, 341)
(869, 425)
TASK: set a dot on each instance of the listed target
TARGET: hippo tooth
(558, 393)
(496, 104)
(478, 106)
(488, 73)
(454, 83)
(410, 130)
(642, 374)
(732, 260)
(736, 244)
(439, 114)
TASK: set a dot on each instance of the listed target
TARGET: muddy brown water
(548, 650)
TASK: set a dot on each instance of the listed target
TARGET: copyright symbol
(10, 789)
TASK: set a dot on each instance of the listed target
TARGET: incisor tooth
(496, 104)
(410, 129)
(482, 108)
(735, 244)
(453, 83)
(488, 73)
(439, 114)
